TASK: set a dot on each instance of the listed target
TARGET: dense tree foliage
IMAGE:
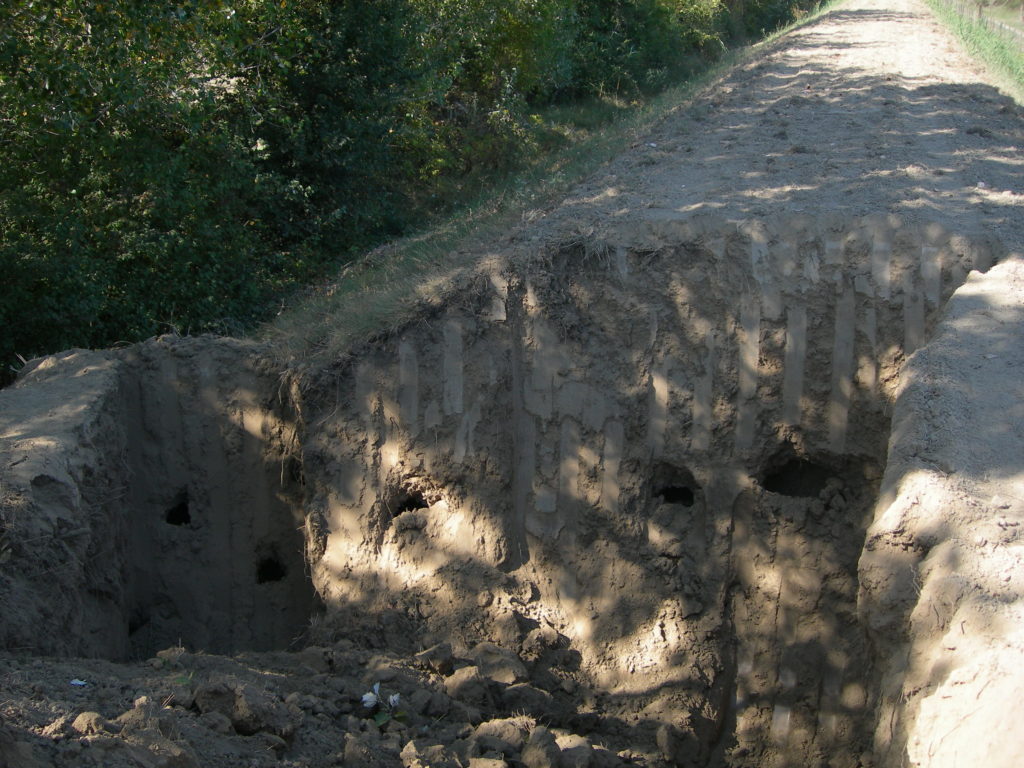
(183, 164)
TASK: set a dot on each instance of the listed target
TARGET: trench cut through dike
(664, 448)
(667, 446)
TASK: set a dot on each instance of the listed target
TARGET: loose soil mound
(607, 503)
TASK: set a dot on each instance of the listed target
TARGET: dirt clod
(541, 750)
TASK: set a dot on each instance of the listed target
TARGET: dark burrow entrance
(799, 655)
(798, 477)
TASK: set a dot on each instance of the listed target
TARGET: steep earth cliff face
(629, 482)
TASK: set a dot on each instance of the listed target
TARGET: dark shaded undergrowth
(185, 166)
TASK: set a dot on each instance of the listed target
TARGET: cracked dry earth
(719, 462)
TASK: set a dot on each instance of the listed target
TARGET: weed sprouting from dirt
(383, 708)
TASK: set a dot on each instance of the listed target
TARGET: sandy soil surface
(872, 109)
(621, 502)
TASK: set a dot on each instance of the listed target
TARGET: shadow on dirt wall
(754, 639)
(160, 503)
(750, 644)
(716, 595)
(774, 664)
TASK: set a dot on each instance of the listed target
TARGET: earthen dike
(719, 462)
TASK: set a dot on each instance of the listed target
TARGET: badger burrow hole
(672, 484)
(137, 619)
(407, 501)
(269, 568)
(292, 471)
(179, 513)
(796, 476)
(676, 494)
(402, 509)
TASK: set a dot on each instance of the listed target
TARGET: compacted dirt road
(719, 462)
(872, 109)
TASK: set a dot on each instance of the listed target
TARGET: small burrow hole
(293, 471)
(797, 477)
(270, 569)
(178, 513)
(408, 501)
(136, 621)
(676, 494)
(674, 485)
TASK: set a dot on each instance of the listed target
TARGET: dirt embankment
(942, 574)
(622, 500)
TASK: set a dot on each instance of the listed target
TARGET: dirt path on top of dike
(631, 496)
(873, 109)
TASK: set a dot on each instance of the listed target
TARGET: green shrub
(185, 165)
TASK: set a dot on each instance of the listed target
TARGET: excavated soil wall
(724, 487)
(150, 501)
(662, 449)
(666, 448)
